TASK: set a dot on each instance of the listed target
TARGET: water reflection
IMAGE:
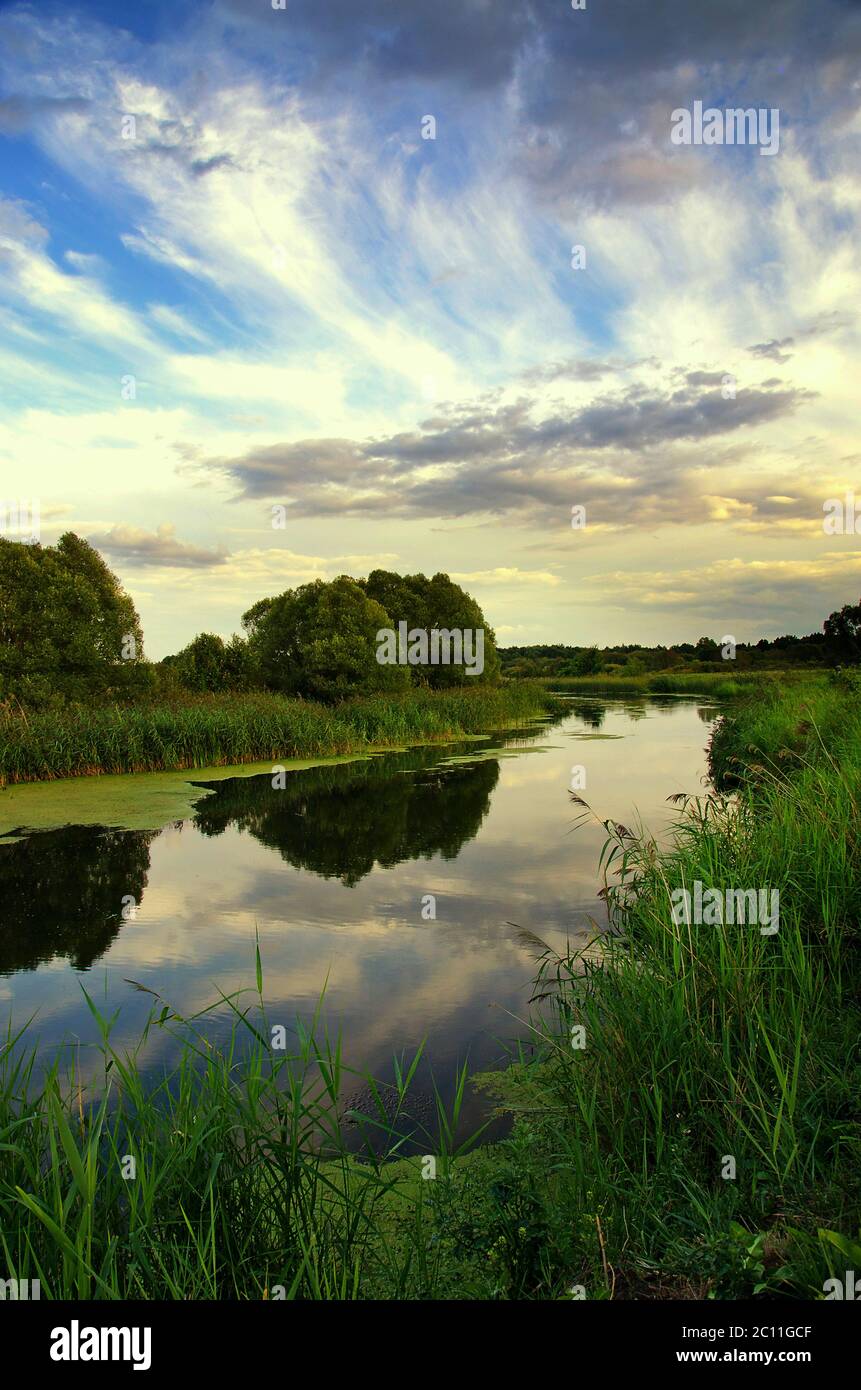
(592, 712)
(342, 822)
(62, 894)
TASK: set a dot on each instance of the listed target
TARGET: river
(399, 882)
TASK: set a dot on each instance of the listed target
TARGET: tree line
(838, 644)
(69, 632)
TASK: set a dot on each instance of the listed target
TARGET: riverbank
(704, 1139)
(722, 685)
(219, 730)
(698, 1138)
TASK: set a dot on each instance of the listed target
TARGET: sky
(292, 293)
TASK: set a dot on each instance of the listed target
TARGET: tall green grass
(721, 684)
(705, 1044)
(781, 729)
(219, 730)
(228, 1178)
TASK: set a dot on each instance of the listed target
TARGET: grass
(720, 684)
(786, 729)
(705, 1044)
(226, 1179)
(219, 730)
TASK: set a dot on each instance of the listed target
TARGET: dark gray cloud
(467, 40)
(485, 43)
(574, 369)
(704, 378)
(497, 459)
(823, 324)
(773, 349)
(179, 141)
(593, 89)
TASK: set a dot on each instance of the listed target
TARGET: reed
(227, 1178)
(220, 730)
(704, 1043)
(722, 685)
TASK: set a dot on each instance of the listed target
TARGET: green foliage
(780, 727)
(557, 659)
(65, 624)
(706, 649)
(428, 604)
(719, 684)
(843, 635)
(320, 641)
(212, 730)
(588, 662)
(209, 663)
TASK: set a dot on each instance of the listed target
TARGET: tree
(209, 663)
(67, 628)
(707, 649)
(428, 604)
(255, 615)
(320, 640)
(843, 635)
(588, 662)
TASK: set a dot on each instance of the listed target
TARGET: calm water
(331, 873)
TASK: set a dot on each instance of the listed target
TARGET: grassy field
(218, 730)
(698, 1138)
(722, 685)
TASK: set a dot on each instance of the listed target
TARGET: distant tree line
(838, 644)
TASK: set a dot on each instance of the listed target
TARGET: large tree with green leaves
(428, 604)
(320, 640)
(209, 663)
(67, 627)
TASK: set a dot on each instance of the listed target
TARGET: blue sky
(235, 210)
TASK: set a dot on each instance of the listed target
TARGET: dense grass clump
(781, 729)
(227, 1178)
(220, 730)
(721, 685)
(705, 1139)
